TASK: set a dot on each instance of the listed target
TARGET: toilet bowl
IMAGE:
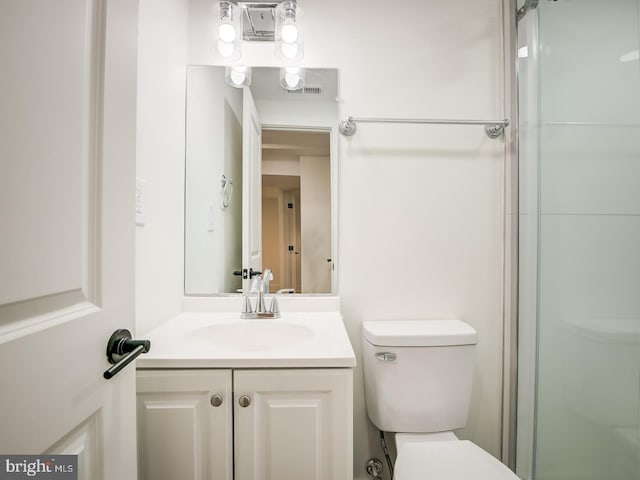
(442, 456)
(418, 376)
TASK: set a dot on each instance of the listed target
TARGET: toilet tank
(418, 374)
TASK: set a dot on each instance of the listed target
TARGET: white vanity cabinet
(288, 424)
(298, 424)
(181, 434)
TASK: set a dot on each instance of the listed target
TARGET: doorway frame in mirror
(332, 130)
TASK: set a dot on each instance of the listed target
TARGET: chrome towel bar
(493, 128)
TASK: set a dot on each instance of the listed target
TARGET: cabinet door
(181, 434)
(298, 424)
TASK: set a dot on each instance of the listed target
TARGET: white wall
(297, 112)
(162, 57)
(420, 207)
(213, 148)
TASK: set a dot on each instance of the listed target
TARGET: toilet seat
(448, 460)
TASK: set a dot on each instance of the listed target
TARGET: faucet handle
(274, 307)
(246, 304)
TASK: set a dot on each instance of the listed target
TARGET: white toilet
(418, 376)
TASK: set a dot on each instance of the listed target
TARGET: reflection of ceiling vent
(310, 90)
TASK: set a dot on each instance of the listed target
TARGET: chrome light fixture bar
(262, 21)
(258, 21)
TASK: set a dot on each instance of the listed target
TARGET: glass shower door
(579, 399)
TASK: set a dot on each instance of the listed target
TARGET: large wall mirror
(261, 182)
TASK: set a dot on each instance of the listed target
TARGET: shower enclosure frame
(520, 341)
(510, 238)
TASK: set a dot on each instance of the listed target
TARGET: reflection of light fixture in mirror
(238, 75)
(288, 36)
(630, 56)
(292, 78)
(228, 30)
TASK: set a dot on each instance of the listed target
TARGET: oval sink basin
(252, 335)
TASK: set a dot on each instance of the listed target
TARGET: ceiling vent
(309, 90)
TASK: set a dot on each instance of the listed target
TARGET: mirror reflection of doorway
(281, 235)
(296, 209)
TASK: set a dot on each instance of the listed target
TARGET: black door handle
(250, 274)
(253, 273)
(121, 351)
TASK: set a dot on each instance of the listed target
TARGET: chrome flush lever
(386, 356)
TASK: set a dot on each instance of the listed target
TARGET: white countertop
(223, 340)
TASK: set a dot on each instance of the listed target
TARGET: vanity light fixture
(288, 34)
(238, 76)
(292, 78)
(228, 31)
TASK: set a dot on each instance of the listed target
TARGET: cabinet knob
(216, 400)
(244, 401)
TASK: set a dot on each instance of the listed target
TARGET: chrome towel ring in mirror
(226, 191)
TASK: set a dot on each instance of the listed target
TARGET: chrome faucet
(274, 307)
(260, 285)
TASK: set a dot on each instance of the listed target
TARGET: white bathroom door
(315, 205)
(251, 187)
(67, 229)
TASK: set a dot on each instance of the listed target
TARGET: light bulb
(289, 31)
(289, 50)
(292, 78)
(225, 49)
(227, 32)
(238, 75)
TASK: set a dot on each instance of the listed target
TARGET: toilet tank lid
(418, 333)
